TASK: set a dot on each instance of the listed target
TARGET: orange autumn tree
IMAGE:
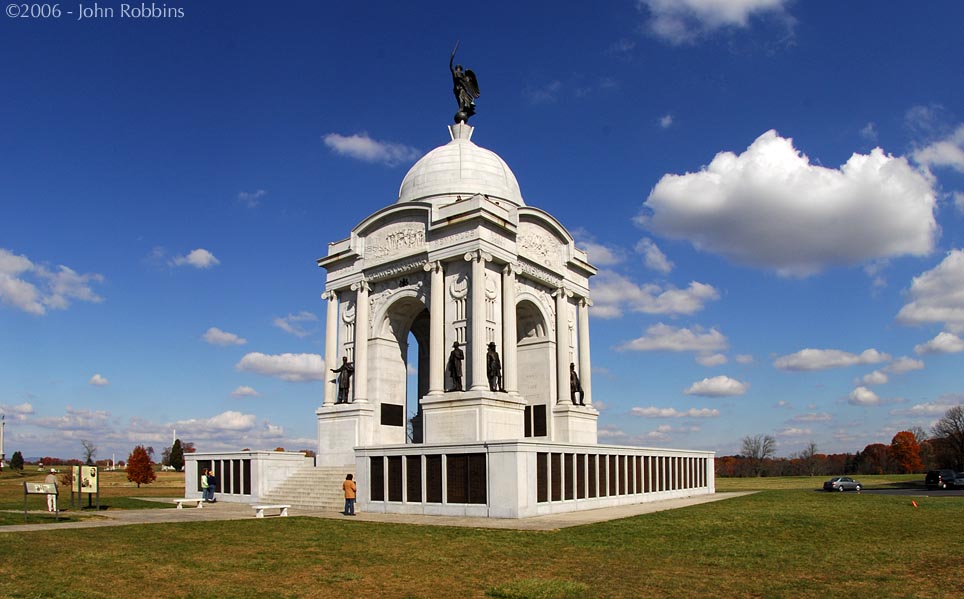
(905, 453)
(139, 467)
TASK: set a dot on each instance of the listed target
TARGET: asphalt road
(918, 492)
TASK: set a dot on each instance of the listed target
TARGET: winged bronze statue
(466, 88)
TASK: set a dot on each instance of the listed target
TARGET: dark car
(842, 483)
(941, 479)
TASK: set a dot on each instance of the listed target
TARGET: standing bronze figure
(454, 367)
(466, 89)
(575, 386)
(493, 369)
(344, 379)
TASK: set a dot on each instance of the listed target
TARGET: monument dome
(460, 168)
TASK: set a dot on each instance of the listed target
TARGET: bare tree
(757, 449)
(949, 435)
(919, 434)
(809, 458)
(90, 450)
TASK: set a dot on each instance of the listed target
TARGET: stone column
(361, 289)
(436, 368)
(331, 345)
(562, 342)
(510, 374)
(480, 381)
(585, 365)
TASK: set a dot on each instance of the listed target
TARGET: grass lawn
(787, 541)
(115, 493)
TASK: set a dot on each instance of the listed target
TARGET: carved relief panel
(540, 246)
(395, 239)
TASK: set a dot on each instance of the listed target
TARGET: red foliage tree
(905, 453)
(875, 459)
(140, 469)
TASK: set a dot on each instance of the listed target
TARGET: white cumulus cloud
(821, 359)
(293, 323)
(711, 359)
(199, 258)
(771, 208)
(34, 288)
(927, 410)
(718, 386)
(813, 417)
(654, 412)
(938, 295)
(943, 343)
(876, 377)
(17, 412)
(904, 365)
(216, 336)
(862, 396)
(794, 432)
(683, 21)
(612, 293)
(653, 257)
(244, 391)
(98, 381)
(225, 421)
(362, 147)
(947, 152)
(602, 255)
(298, 368)
(663, 337)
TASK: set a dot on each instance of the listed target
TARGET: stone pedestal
(468, 416)
(341, 428)
(574, 424)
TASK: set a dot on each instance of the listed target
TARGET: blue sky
(772, 191)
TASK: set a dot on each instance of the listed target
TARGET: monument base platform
(575, 424)
(470, 416)
(520, 479)
(341, 428)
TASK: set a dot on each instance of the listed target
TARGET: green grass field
(786, 541)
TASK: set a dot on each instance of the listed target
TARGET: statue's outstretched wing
(471, 83)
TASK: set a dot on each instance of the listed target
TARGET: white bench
(180, 502)
(259, 510)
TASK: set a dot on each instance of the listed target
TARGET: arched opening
(400, 376)
(536, 358)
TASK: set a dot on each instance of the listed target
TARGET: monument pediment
(541, 245)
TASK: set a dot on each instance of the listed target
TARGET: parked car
(842, 483)
(941, 479)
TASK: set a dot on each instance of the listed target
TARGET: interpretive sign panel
(85, 479)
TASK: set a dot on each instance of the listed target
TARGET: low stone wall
(519, 479)
(243, 476)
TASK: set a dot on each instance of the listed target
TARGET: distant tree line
(910, 451)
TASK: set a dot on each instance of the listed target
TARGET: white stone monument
(459, 258)
(459, 261)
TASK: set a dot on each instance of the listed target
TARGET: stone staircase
(311, 488)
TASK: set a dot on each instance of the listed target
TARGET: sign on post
(39, 489)
(85, 480)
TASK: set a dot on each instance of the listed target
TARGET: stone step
(311, 488)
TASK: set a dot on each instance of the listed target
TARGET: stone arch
(401, 313)
(535, 354)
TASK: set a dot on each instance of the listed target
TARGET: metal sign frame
(40, 489)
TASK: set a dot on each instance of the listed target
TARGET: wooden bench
(259, 510)
(180, 502)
